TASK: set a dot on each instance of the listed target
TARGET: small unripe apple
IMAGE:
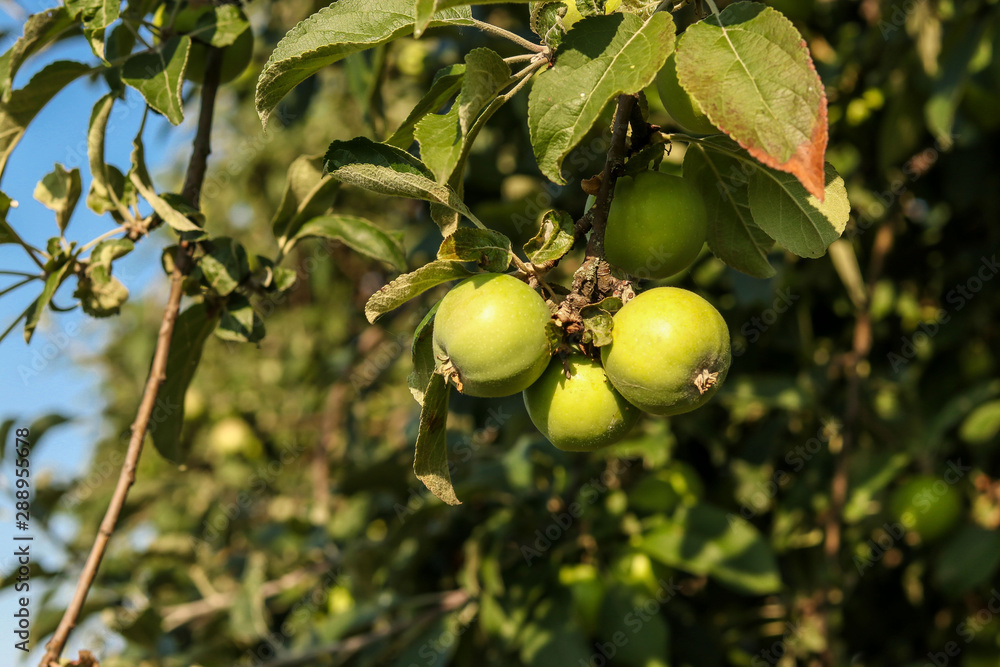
(231, 436)
(679, 103)
(235, 57)
(669, 351)
(490, 335)
(656, 226)
(579, 413)
(926, 505)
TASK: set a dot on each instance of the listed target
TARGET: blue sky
(50, 375)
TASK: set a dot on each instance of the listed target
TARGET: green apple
(231, 436)
(669, 351)
(490, 335)
(678, 103)
(926, 505)
(579, 413)
(656, 226)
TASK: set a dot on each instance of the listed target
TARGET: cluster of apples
(670, 349)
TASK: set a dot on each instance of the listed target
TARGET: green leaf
(733, 235)
(391, 171)
(192, 329)
(554, 239)
(551, 637)
(24, 104)
(100, 199)
(101, 299)
(343, 28)
(704, 540)
(795, 218)
(359, 234)
(546, 20)
(139, 176)
(308, 193)
(40, 30)
(42, 425)
(753, 77)
(441, 142)
(239, 323)
(970, 559)
(600, 58)
(106, 252)
(409, 285)
(223, 26)
(444, 137)
(430, 462)
(225, 266)
(59, 191)
(982, 425)
(100, 293)
(425, 9)
(647, 643)
(422, 355)
(159, 76)
(34, 312)
(486, 74)
(488, 248)
(447, 82)
(952, 80)
(641, 7)
(597, 325)
(96, 14)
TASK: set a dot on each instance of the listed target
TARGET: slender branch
(593, 280)
(11, 288)
(520, 59)
(30, 249)
(612, 170)
(19, 274)
(157, 373)
(642, 131)
(522, 79)
(506, 34)
(182, 614)
(13, 324)
(106, 235)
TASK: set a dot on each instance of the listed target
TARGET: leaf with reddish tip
(751, 73)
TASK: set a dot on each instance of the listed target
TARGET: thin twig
(30, 249)
(612, 170)
(106, 235)
(506, 34)
(593, 279)
(520, 59)
(157, 373)
(182, 614)
(11, 288)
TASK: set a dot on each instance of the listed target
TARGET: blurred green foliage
(296, 532)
